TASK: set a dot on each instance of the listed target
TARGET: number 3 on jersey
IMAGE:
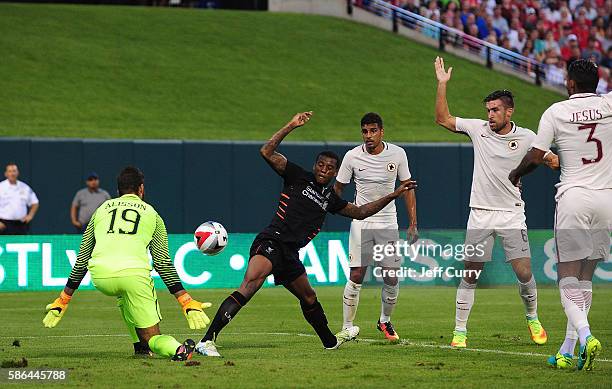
(591, 138)
(130, 216)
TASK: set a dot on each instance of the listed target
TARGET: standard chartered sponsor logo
(43, 263)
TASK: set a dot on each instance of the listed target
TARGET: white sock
(388, 298)
(571, 335)
(463, 304)
(350, 300)
(529, 294)
(573, 302)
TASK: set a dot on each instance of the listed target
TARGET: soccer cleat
(185, 351)
(588, 352)
(387, 329)
(207, 348)
(561, 361)
(346, 335)
(459, 339)
(537, 332)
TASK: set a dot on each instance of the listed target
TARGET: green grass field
(135, 72)
(270, 345)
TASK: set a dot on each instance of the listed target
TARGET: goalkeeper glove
(56, 310)
(194, 311)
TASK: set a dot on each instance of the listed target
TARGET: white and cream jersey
(581, 127)
(494, 157)
(375, 176)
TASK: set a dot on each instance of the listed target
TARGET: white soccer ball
(210, 238)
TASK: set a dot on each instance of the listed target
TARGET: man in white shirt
(18, 203)
(375, 165)
(581, 127)
(496, 207)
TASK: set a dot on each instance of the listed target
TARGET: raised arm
(369, 209)
(443, 116)
(410, 198)
(276, 160)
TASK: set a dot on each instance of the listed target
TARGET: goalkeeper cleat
(561, 361)
(346, 335)
(185, 351)
(588, 353)
(387, 329)
(537, 332)
(207, 348)
(459, 339)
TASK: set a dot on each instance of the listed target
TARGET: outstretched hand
(441, 74)
(299, 119)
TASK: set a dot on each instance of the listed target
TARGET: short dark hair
(11, 163)
(330, 154)
(504, 95)
(585, 74)
(129, 180)
(372, 118)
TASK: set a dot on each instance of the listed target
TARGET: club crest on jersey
(391, 166)
(513, 144)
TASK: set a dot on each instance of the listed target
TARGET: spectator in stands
(582, 28)
(571, 44)
(598, 28)
(86, 201)
(566, 16)
(519, 42)
(490, 28)
(410, 5)
(18, 203)
(589, 11)
(499, 22)
(555, 74)
(431, 11)
(606, 42)
(591, 52)
(564, 33)
(551, 44)
(603, 87)
(607, 61)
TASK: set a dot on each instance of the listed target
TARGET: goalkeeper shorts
(137, 298)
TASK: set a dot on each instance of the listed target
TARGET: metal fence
(494, 56)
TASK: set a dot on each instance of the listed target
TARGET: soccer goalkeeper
(114, 249)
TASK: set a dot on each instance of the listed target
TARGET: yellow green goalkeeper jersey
(117, 242)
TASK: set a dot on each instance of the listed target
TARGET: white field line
(402, 342)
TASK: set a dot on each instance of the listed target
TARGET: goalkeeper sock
(226, 312)
(463, 306)
(529, 294)
(388, 299)
(314, 315)
(350, 300)
(164, 345)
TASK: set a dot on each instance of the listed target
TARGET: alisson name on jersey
(129, 204)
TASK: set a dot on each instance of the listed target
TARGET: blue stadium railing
(447, 36)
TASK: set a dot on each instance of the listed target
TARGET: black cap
(91, 175)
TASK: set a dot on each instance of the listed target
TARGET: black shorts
(286, 264)
(14, 227)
